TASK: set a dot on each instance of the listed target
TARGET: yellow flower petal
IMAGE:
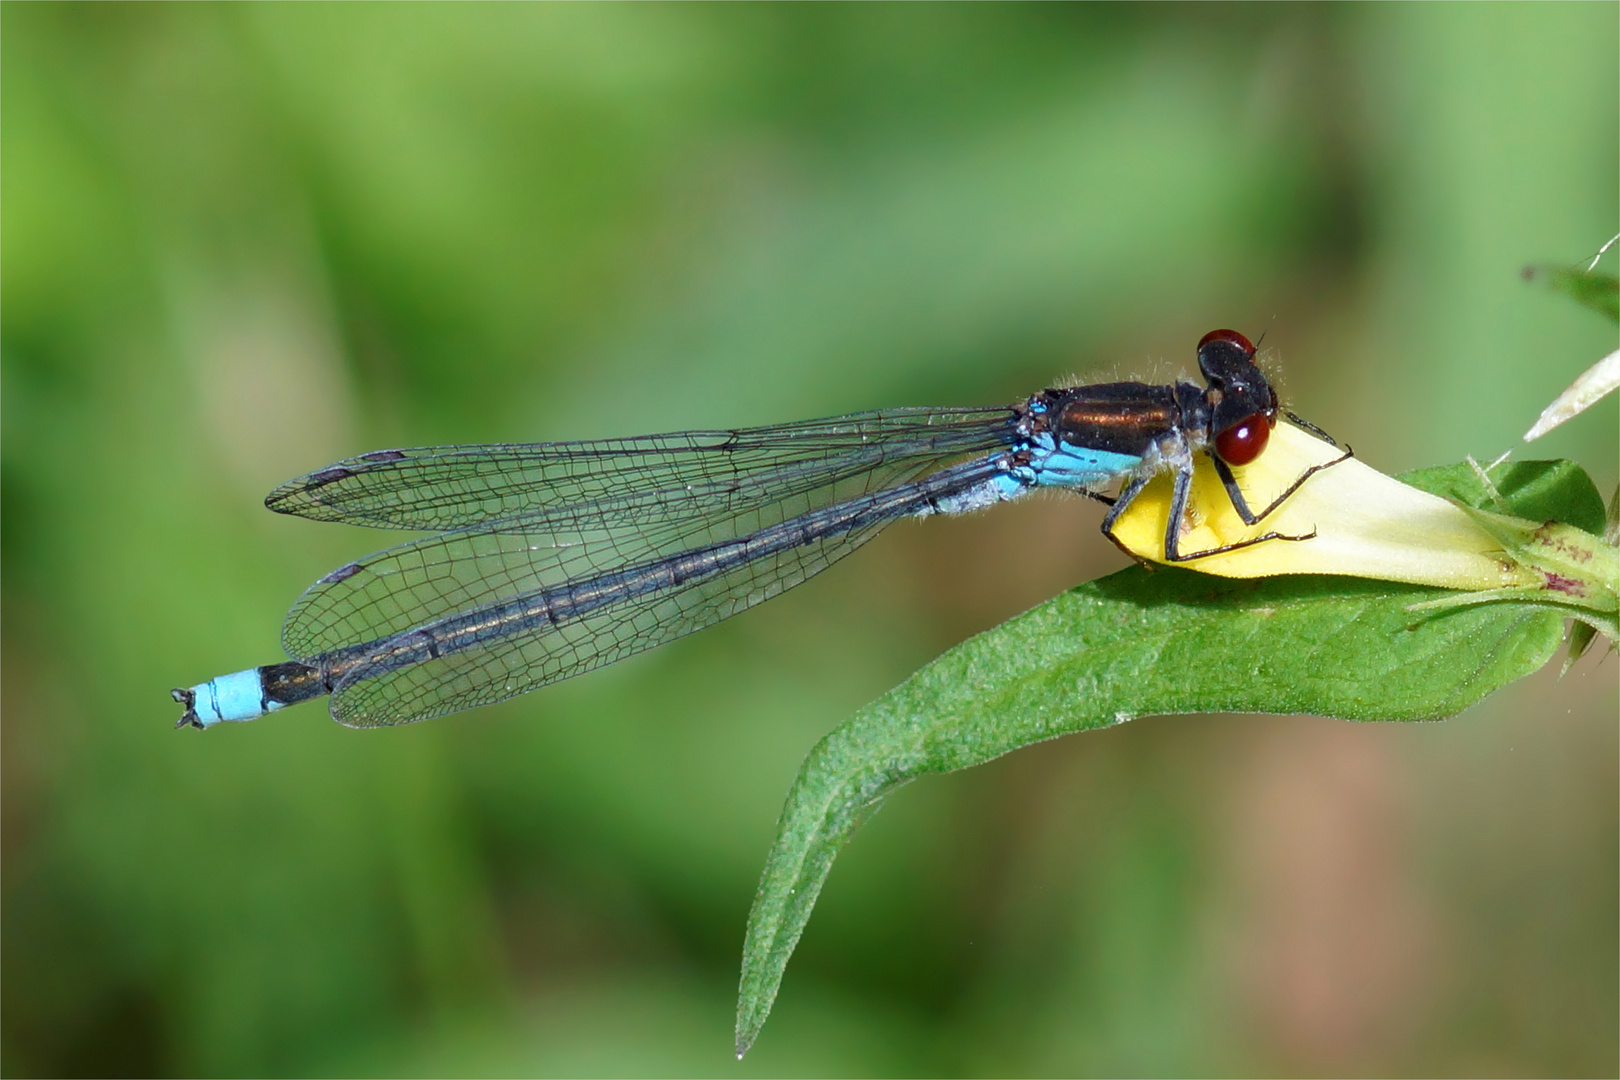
(1365, 524)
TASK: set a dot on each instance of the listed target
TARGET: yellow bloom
(1365, 524)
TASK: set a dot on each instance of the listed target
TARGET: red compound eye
(1245, 440)
(1228, 335)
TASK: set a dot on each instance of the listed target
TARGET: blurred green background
(241, 242)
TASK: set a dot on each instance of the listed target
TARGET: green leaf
(1589, 288)
(1581, 636)
(1144, 642)
(1537, 490)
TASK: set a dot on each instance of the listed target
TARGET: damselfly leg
(1180, 498)
(1241, 505)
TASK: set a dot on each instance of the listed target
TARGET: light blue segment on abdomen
(239, 696)
(1077, 466)
(999, 488)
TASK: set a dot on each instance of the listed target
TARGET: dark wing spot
(326, 476)
(383, 455)
(342, 573)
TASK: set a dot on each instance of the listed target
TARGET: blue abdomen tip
(234, 697)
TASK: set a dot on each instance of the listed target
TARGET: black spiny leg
(1172, 525)
(1118, 506)
(1172, 530)
(1312, 428)
(1179, 495)
(1178, 513)
(1233, 492)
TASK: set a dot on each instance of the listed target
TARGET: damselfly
(551, 559)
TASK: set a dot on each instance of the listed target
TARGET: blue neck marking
(1061, 464)
(1052, 464)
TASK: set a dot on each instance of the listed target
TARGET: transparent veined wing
(501, 668)
(519, 615)
(552, 542)
(641, 480)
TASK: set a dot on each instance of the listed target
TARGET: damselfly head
(1243, 405)
(1221, 346)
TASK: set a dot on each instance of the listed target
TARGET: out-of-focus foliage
(1600, 292)
(242, 241)
(1591, 288)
